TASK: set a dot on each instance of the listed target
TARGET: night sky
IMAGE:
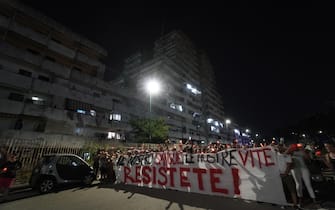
(273, 65)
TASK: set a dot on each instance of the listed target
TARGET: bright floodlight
(153, 87)
(228, 121)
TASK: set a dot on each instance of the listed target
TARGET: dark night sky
(273, 65)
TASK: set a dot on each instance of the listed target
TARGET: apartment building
(189, 100)
(51, 80)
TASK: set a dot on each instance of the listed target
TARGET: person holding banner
(285, 165)
(300, 171)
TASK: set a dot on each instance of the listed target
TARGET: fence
(31, 150)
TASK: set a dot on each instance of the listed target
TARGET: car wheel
(88, 179)
(46, 185)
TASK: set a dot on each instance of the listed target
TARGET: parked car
(58, 169)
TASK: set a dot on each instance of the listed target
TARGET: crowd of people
(293, 162)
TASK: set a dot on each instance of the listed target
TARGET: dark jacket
(8, 169)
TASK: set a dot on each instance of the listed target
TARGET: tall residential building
(189, 101)
(51, 83)
(51, 80)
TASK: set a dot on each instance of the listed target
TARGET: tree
(143, 127)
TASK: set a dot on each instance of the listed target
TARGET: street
(107, 196)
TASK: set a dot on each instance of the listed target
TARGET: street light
(153, 88)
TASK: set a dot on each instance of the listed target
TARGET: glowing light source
(153, 87)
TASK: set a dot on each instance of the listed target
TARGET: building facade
(189, 101)
(52, 82)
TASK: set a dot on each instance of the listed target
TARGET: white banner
(250, 174)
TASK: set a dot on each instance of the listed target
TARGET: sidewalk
(18, 192)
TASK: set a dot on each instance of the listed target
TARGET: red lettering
(172, 170)
(146, 176)
(252, 159)
(236, 179)
(138, 174)
(126, 174)
(244, 160)
(259, 158)
(267, 157)
(154, 177)
(200, 172)
(214, 180)
(183, 178)
(162, 172)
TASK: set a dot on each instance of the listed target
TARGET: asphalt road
(109, 197)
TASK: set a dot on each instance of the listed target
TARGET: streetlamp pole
(150, 116)
(227, 123)
(152, 87)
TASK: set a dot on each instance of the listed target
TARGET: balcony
(11, 79)
(58, 69)
(34, 110)
(61, 49)
(29, 33)
(11, 107)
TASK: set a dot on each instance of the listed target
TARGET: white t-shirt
(283, 160)
(298, 158)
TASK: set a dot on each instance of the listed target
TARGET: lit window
(118, 136)
(37, 100)
(93, 113)
(237, 131)
(81, 111)
(189, 86)
(221, 125)
(111, 135)
(215, 129)
(209, 120)
(216, 123)
(173, 106)
(116, 117)
(176, 106)
(193, 89)
(196, 114)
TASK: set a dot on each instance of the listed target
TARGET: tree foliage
(143, 127)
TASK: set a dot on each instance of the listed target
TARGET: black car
(59, 169)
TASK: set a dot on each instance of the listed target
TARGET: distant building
(189, 102)
(51, 83)
(51, 80)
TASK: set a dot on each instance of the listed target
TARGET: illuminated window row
(214, 122)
